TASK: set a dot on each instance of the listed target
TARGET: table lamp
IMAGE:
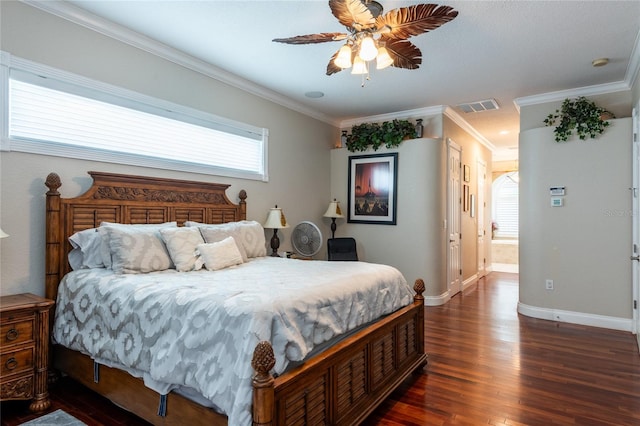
(275, 220)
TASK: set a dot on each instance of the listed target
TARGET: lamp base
(275, 243)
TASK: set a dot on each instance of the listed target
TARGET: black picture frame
(373, 189)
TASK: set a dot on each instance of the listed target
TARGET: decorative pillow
(86, 251)
(216, 233)
(105, 248)
(220, 255)
(182, 244)
(135, 250)
(252, 238)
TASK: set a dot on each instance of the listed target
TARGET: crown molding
(103, 26)
(599, 89)
(398, 115)
(456, 118)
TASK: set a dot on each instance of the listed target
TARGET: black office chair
(342, 249)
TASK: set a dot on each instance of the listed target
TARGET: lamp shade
(343, 60)
(359, 66)
(275, 219)
(383, 60)
(333, 210)
(368, 49)
(3, 234)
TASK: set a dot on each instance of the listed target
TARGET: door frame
(635, 215)
(454, 197)
(481, 215)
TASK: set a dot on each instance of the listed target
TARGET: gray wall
(299, 146)
(583, 246)
(416, 244)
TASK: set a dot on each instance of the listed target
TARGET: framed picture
(372, 193)
(465, 198)
(467, 173)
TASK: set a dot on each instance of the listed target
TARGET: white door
(482, 176)
(454, 201)
(635, 201)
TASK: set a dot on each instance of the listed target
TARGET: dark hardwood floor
(487, 365)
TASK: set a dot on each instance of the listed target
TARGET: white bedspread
(199, 329)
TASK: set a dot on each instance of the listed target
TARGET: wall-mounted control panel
(557, 196)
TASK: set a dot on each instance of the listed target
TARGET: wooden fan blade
(352, 14)
(414, 20)
(312, 38)
(404, 54)
(332, 68)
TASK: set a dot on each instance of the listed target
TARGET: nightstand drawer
(17, 361)
(15, 333)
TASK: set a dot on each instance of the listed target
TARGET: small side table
(24, 349)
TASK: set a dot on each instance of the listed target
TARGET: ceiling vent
(479, 106)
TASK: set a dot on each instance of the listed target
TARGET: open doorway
(504, 220)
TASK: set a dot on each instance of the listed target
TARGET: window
(505, 205)
(57, 113)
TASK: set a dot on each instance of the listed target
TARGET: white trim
(600, 89)
(571, 317)
(469, 281)
(437, 300)
(456, 118)
(399, 115)
(93, 22)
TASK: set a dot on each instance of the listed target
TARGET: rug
(55, 418)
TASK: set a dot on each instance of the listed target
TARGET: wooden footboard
(345, 383)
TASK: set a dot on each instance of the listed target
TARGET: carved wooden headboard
(128, 199)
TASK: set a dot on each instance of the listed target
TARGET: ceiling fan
(373, 35)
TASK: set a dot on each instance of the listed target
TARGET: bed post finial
(243, 204)
(263, 392)
(53, 183)
(419, 288)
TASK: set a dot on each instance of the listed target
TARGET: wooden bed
(340, 386)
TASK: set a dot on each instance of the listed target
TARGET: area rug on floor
(55, 418)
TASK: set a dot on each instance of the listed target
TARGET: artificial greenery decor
(581, 115)
(389, 133)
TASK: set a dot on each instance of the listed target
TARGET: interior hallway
(489, 365)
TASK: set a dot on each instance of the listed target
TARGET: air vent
(479, 106)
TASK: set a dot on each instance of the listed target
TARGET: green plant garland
(581, 115)
(374, 135)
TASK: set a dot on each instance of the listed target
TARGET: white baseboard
(437, 300)
(593, 320)
(469, 281)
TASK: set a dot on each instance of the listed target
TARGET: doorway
(504, 221)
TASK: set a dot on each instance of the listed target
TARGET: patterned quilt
(199, 329)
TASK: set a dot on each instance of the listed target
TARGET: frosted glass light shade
(368, 49)
(3, 234)
(275, 219)
(359, 66)
(383, 60)
(343, 60)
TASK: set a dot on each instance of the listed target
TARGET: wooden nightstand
(24, 347)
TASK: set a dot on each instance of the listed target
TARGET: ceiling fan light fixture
(368, 49)
(383, 60)
(359, 66)
(343, 60)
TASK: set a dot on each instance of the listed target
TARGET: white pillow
(105, 246)
(220, 255)
(182, 244)
(86, 251)
(216, 233)
(137, 250)
(252, 238)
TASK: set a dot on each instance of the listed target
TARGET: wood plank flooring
(487, 366)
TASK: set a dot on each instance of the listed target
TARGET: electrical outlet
(548, 284)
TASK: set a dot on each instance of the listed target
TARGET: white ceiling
(493, 49)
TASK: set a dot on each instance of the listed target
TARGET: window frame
(32, 72)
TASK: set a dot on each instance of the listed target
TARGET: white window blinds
(54, 117)
(505, 205)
